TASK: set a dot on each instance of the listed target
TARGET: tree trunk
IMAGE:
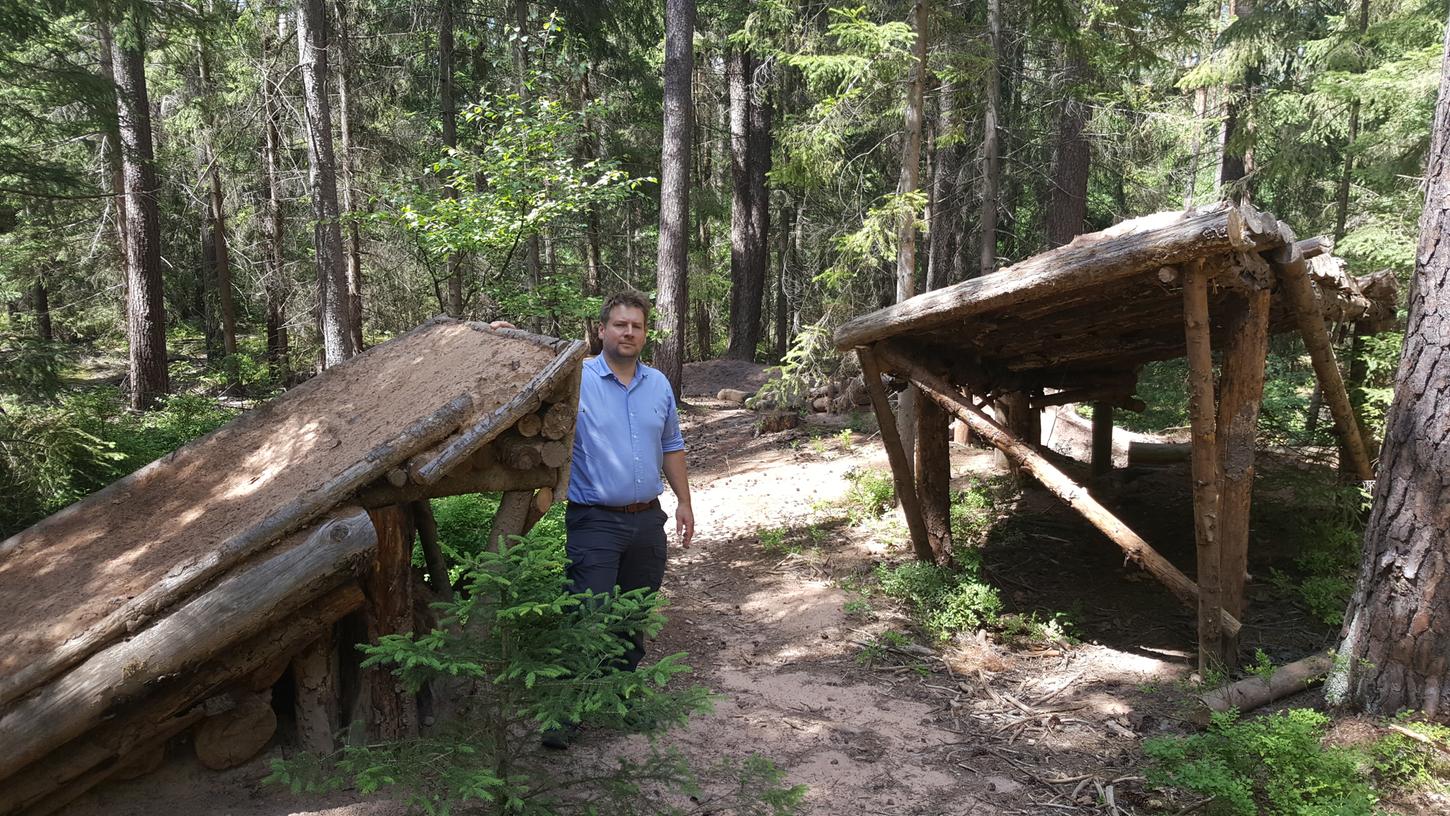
(276, 283)
(1395, 650)
(910, 182)
(1067, 206)
(749, 210)
(352, 244)
(1236, 157)
(673, 301)
(221, 264)
(113, 157)
(945, 209)
(449, 113)
(991, 162)
(333, 304)
(145, 298)
(40, 301)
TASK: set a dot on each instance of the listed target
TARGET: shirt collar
(601, 367)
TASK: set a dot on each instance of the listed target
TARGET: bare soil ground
(975, 727)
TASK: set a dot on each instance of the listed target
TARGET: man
(627, 432)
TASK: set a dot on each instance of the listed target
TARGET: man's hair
(629, 299)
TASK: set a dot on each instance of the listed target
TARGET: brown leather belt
(637, 507)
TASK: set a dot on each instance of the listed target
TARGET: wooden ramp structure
(1074, 324)
(177, 597)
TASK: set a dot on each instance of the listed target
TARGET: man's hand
(501, 324)
(685, 524)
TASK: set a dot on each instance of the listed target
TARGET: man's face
(623, 334)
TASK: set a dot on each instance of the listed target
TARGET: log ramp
(175, 599)
(1075, 325)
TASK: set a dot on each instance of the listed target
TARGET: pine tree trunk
(113, 157)
(221, 264)
(352, 240)
(145, 299)
(749, 210)
(1236, 158)
(1067, 207)
(1395, 650)
(673, 300)
(276, 283)
(449, 112)
(945, 210)
(991, 161)
(333, 303)
(40, 300)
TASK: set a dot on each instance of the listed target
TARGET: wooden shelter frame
(1226, 278)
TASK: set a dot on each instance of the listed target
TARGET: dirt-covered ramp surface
(75, 568)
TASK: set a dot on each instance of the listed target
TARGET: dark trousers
(608, 549)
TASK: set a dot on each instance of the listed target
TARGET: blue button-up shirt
(622, 435)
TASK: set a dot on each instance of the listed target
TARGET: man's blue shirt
(622, 435)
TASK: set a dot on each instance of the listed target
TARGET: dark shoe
(558, 738)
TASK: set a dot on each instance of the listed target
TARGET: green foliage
(1262, 667)
(1274, 765)
(1324, 521)
(52, 455)
(539, 657)
(872, 493)
(943, 600)
(31, 368)
(976, 510)
(1403, 762)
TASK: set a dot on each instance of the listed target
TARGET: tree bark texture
(145, 299)
(1396, 641)
(352, 241)
(1206, 467)
(945, 230)
(449, 114)
(749, 205)
(276, 282)
(333, 307)
(40, 302)
(1067, 205)
(673, 300)
(991, 146)
(387, 587)
(216, 213)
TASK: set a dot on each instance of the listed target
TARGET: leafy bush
(1271, 765)
(1324, 521)
(943, 600)
(872, 493)
(536, 656)
(52, 455)
(1405, 762)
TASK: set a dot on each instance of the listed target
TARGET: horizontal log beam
(1090, 261)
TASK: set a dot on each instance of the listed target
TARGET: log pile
(200, 643)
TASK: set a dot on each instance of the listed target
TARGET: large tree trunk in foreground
(352, 243)
(674, 245)
(991, 161)
(1396, 643)
(145, 300)
(333, 303)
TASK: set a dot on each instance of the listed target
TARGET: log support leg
(511, 518)
(1025, 423)
(1102, 439)
(388, 586)
(1053, 479)
(1205, 468)
(1241, 391)
(901, 470)
(315, 676)
(1294, 280)
(933, 476)
(427, 525)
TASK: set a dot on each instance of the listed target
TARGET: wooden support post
(388, 586)
(1076, 496)
(934, 476)
(1102, 438)
(427, 525)
(1205, 467)
(1024, 423)
(1241, 391)
(315, 677)
(901, 471)
(1294, 280)
(509, 520)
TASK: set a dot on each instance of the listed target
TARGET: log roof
(1089, 313)
(409, 414)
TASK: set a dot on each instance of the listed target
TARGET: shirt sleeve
(671, 439)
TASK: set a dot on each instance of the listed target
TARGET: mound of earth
(705, 379)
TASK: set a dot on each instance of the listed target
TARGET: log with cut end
(554, 453)
(243, 603)
(529, 425)
(1252, 692)
(232, 737)
(518, 453)
(558, 420)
